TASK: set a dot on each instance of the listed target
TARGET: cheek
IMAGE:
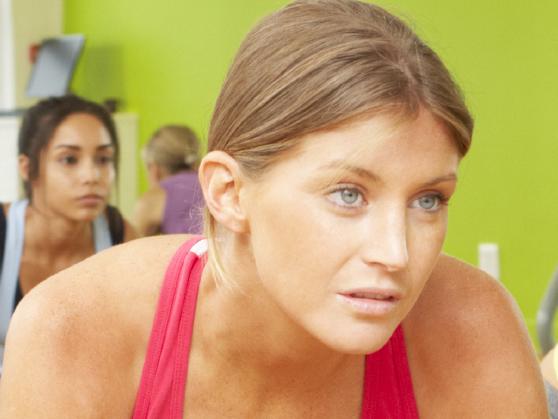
(289, 237)
(425, 243)
(110, 174)
(426, 235)
(55, 177)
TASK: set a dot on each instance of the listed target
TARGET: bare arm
(130, 232)
(148, 212)
(76, 343)
(54, 364)
(470, 353)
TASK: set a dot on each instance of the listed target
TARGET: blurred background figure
(549, 367)
(68, 153)
(546, 315)
(174, 202)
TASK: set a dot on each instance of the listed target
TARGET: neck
(257, 337)
(54, 233)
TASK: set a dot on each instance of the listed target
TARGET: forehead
(79, 128)
(380, 143)
(384, 132)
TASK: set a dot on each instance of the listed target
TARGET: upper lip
(90, 195)
(373, 293)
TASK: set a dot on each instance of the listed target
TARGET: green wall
(166, 61)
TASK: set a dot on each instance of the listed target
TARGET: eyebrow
(77, 148)
(341, 165)
(452, 177)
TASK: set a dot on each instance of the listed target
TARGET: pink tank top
(387, 393)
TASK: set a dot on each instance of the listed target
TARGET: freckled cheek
(425, 243)
(315, 233)
(290, 232)
(284, 227)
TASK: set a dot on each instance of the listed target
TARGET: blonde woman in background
(174, 202)
(319, 290)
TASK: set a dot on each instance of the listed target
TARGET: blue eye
(428, 202)
(346, 197)
(349, 196)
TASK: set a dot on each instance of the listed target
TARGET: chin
(88, 214)
(360, 340)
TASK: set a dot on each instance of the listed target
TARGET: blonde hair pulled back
(312, 66)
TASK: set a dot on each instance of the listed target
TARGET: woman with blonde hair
(174, 201)
(319, 290)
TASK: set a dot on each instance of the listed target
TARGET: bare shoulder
(77, 342)
(469, 350)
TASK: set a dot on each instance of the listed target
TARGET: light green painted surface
(166, 60)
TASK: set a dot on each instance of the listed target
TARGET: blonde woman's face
(76, 169)
(346, 231)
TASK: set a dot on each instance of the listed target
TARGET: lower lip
(91, 201)
(368, 306)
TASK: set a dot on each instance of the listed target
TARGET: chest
(233, 397)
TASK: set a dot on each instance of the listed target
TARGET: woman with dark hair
(68, 149)
(319, 289)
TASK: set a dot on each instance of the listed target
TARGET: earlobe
(221, 180)
(23, 165)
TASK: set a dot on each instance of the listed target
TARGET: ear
(23, 165)
(221, 180)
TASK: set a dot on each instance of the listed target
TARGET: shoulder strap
(163, 380)
(388, 388)
(2, 233)
(108, 229)
(2, 238)
(15, 232)
(116, 224)
(101, 233)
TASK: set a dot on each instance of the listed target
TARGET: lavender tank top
(184, 204)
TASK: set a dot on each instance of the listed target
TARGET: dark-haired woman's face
(76, 169)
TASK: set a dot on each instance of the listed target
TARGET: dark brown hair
(40, 122)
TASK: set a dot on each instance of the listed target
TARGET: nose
(385, 239)
(90, 172)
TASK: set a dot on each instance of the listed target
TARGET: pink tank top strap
(161, 391)
(388, 388)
